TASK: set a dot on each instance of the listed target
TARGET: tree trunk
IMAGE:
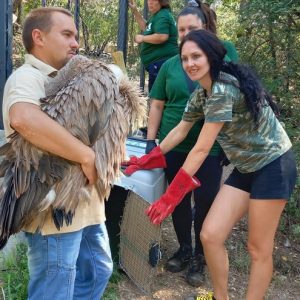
(288, 52)
(272, 44)
(86, 35)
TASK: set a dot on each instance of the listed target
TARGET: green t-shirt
(248, 147)
(231, 54)
(171, 86)
(164, 23)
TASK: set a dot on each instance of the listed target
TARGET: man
(75, 262)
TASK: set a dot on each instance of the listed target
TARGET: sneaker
(179, 260)
(195, 272)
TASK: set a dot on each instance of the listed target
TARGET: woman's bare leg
(263, 220)
(230, 205)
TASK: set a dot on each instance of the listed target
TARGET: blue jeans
(75, 265)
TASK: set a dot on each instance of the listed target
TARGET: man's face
(59, 44)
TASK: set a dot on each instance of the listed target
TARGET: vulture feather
(99, 109)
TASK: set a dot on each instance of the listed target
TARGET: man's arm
(39, 129)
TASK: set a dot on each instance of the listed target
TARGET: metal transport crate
(139, 249)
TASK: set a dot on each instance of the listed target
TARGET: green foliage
(15, 274)
(111, 292)
(99, 20)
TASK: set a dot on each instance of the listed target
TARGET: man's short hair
(40, 18)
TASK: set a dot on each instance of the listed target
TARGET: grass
(14, 274)
(111, 292)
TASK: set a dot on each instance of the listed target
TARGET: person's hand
(151, 144)
(139, 38)
(182, 184)
(89, 169)
(155, 159)
(132, 161)
(132, 4)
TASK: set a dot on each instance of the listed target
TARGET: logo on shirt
(149, 27)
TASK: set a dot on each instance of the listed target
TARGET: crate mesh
(137, 236)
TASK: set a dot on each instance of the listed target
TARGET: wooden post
(118, 59)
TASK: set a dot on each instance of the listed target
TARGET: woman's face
(195, 62)
(154, 6)
(187, 23)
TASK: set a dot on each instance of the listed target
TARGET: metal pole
(77, 16)
(6, 37)
(123, 28)
(142, 71)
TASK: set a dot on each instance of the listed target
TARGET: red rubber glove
(182, 184)
(155, 159)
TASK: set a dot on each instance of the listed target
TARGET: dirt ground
(166, 286)
(285, 284)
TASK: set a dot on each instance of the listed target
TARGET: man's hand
(89, 169)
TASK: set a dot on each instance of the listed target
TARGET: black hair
(164, 4)
(203, 12)
(250, 85)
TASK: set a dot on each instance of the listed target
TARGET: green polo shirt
(231, 54)
(162, 22)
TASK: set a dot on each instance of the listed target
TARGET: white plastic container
(149, 184)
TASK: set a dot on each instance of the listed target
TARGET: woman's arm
(139, 18)
(155, 38)
(202, 147)
(175, 136)
(155, 115)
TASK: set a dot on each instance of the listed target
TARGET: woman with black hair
(241, 116)
(169, 95)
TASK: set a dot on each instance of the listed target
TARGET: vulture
(90, 100)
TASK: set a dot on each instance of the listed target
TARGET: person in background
(240, 114)
(75, 262)
(159, 39)
(169, 95)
